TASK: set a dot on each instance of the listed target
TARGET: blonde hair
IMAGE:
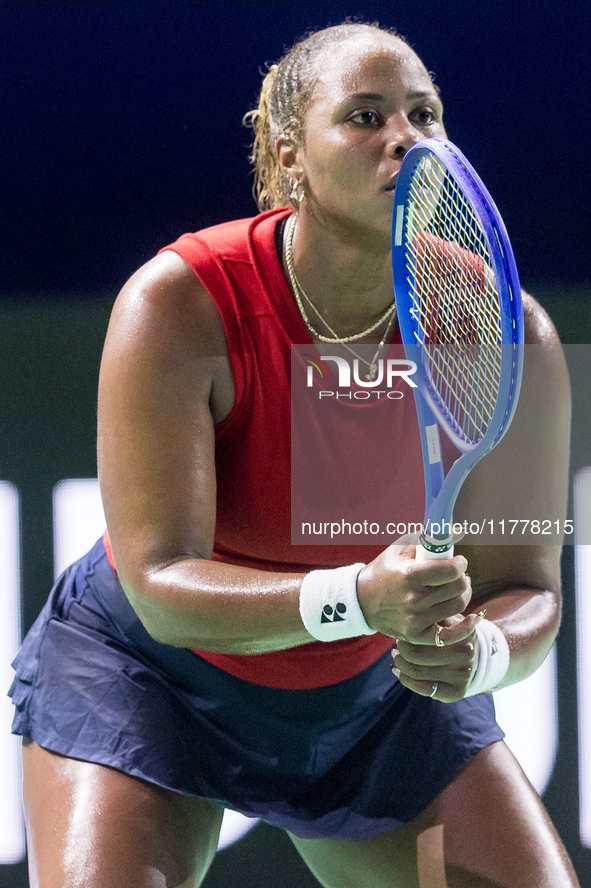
(283, 101)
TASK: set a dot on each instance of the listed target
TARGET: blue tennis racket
(461, 320)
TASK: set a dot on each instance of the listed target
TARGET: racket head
(457, 292)
(459, 309)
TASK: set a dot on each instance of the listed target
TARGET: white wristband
(492, 659)
(328, 604)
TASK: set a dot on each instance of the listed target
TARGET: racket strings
(456, 305)
(455, 280)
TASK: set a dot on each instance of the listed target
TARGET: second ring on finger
(427, 673)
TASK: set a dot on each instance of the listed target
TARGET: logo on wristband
(330, 615)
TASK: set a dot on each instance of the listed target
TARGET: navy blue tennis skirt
(346, 761)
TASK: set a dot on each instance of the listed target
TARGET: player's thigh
(89, 826)
(488, 829)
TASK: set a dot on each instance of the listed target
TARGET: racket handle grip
(428, 551)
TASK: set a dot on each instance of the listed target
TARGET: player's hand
(404, 598)
(442, 672)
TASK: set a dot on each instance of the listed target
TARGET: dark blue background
(121, 123)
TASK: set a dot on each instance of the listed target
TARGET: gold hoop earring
(295, 195)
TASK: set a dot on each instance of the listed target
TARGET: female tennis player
(195, 659)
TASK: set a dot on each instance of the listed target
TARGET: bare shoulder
(165, 299)
(539, 328)
(165, 324)
(545, 365)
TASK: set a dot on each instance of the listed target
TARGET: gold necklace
(299, 291)
(372, 365)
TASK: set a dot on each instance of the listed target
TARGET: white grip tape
(328, 604)
(492, 659)
(423, 554)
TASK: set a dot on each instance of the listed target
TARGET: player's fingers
(458, 591)
(455, 676)
(458, 654)
(442, 632)
(437, 690)
(438, 683)
(443, 610)
(434, 574)
(421, 624)
(447, 635)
